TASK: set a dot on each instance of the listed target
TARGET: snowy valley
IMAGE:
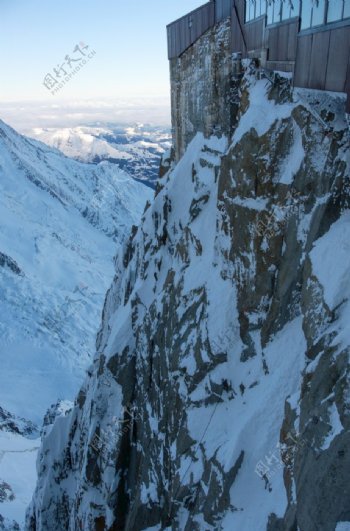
(61, 224)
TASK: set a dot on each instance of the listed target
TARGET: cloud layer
(27, 115)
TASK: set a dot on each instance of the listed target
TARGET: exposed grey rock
(6, 492)
(15, 424)
(7, 525)
(61, 408)
(8, 262)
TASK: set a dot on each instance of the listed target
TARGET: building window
(346, 13)
(317, 13)
(279, 10)
(285, 10)
(260, 9)
(254, 9)
(318, 10)
(337, 10)
(306, 13)
(312, 13)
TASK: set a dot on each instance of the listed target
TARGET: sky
(128, 63)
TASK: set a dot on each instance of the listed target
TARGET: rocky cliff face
(203, 88)
(219, 394)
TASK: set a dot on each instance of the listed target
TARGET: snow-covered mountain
(219, 394)
(136, 149)
(61, 222)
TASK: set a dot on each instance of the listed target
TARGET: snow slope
(61, 222)
(17, 476)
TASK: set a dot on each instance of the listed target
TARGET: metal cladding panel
(323, 61)
(240, 4)
(318, 64)
(168, 36)
(178, 38)
(254, 32)
(237, 41)
(272, 44)
(282, 41)
(339, 51)
(211, 14)
(260, 32)
(222, 9)
(302, 63)
(292, 40)
(236, 38)
(245, 37)
(184, 35)
(185, 31)
(283, 35)
(347, 87)
(170, 43)
(196, 28)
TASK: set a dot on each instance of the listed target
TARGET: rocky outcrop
(14, 424)
(7, 525)
(6, 492)
(10, 263)
(61, 408)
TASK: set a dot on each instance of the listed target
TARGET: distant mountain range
(136, 149)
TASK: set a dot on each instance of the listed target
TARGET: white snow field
(61, 222)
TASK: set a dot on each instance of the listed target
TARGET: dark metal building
(310, 39)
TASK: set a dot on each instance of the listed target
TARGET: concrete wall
(202, 89)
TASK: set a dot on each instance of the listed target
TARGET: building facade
(309, 38)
